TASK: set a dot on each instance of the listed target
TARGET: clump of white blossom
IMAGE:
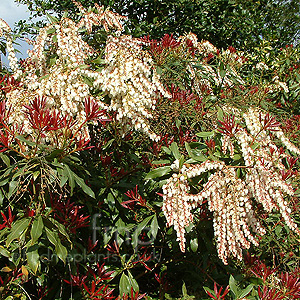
(231, 197)
(131, 81)
(5, 31)
(56, 68)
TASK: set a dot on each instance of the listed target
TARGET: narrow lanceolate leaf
(124, 285)
(68, 173)
(51, 235)
(61, 251)
(4, 252)
(36, 229)
(17, 229)
(175, 150)
(61, 228)
(84, 187)
(159, 172)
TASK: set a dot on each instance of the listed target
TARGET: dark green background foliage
(239, 23)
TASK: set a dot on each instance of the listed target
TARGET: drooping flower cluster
(230, 197)
(56, 68)
(5, 31)
(131, 82)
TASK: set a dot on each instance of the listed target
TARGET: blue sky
(12, 12)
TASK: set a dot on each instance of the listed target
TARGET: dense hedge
(136, 168)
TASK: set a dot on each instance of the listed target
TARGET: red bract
(4, 140)
(290, 285)
(134, 197)
(133, 296)
(269, 294)
(260, 270)
(30, 212)
(42, 292)
(92, 110)
(44, 119)
(76, 280)
(229, 127)
(101, 293)
(4, 113)
(218, 293)
(7, 221)
(8, 83)
(187, 136)
(291, 161)
(101, 274)
(182, 97)
(82, 143)
(67, 213)
(157, 47)
(231, 49)
(286, 174)
(191, 46)
(91, 245)
(269, 123)
(211, 144)
(114, 249)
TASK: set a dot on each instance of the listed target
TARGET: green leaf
(256, 281)
(124, 285)
(220, 114)
(61, 251)
(51, 19)
(23, 139)
(154, 226)
(33, 258)
(84, 187)
(246, 291)
(184, 290)
(133, 283)
(161, 162)
(175, 150)
(5, 159)
(205, 134)
(158, 172)
(159, 70)
(51, 235)
(35, 175)
(36, 229)
(99, 60)
(17, 228)
(166, 150)
(233, 286)
(139, 229)
(222, 70)
(12, 188)
(209, 290)
(4, 181)
(181, 161)
(61, 228)
(68, 173)
(4, 252)
(194, 244)
(54, 239)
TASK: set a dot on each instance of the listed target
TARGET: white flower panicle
(261, 66)
(177, 207)
(131, 81)
(229, 197)
(129, 77)
(63, 82)
(5, 31)
(104, 17)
